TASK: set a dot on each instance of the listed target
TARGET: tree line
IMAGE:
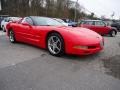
(49, 8)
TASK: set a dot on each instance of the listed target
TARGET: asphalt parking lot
(25, 67)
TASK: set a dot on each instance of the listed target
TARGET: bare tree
(50, 8)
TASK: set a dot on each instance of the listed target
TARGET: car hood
(82, 35)
(81, 32)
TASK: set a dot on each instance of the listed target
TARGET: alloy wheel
(54, 44)
(11, 36)
(113, 33)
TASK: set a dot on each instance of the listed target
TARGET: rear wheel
(12, 36)
(55, 44)
(113, 33)
(3, 28)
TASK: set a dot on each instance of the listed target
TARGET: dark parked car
(116, 25)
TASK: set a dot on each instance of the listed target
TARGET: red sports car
(50, 34)
(99, 26)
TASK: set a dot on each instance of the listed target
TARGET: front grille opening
(92, 47)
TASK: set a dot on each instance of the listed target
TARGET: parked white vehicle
(6, 21)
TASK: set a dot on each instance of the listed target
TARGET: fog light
(81, 47)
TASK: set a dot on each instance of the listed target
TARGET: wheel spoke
(50, 44)
(52, 40)
(57, 48)
(57, 41)
(11, 36)
(54, 48)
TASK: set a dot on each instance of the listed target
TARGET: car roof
(38, 16)
(91, 20)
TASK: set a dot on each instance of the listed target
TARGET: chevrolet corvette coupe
(52, 35)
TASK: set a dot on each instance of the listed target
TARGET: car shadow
(90, 57)
(81, 57)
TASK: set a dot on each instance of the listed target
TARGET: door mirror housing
(26, 24)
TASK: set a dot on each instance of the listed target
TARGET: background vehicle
(2, 18)
(70, 22)
(99, 27)
(60, 20)
(7, 20)
(116, 25)
(52, 35)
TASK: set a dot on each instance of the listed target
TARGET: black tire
(12, 36)
(3, 28)
(113, 33)
(59, 45)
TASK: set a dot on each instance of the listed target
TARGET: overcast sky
(102, 7)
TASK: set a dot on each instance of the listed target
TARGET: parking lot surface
(26, 67)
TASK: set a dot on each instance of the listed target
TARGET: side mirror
(26, 24)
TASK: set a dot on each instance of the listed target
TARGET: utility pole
(75, 15)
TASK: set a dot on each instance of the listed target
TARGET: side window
(90, 22)
(87, 22)
(83, 22)
(23, 20)
(99, 23)
(27, 20)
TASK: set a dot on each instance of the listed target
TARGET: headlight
(81, 47)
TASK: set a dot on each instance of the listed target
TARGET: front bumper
(92, 49)
(85, 52)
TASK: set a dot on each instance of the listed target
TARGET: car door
(29, 31)
(101, 28)
(21, 31)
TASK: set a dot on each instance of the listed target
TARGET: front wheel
(12, 36)
(113, 33)
(55, 44)
(3, 28)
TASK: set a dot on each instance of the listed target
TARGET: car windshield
(60, 20)
(44, 21)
